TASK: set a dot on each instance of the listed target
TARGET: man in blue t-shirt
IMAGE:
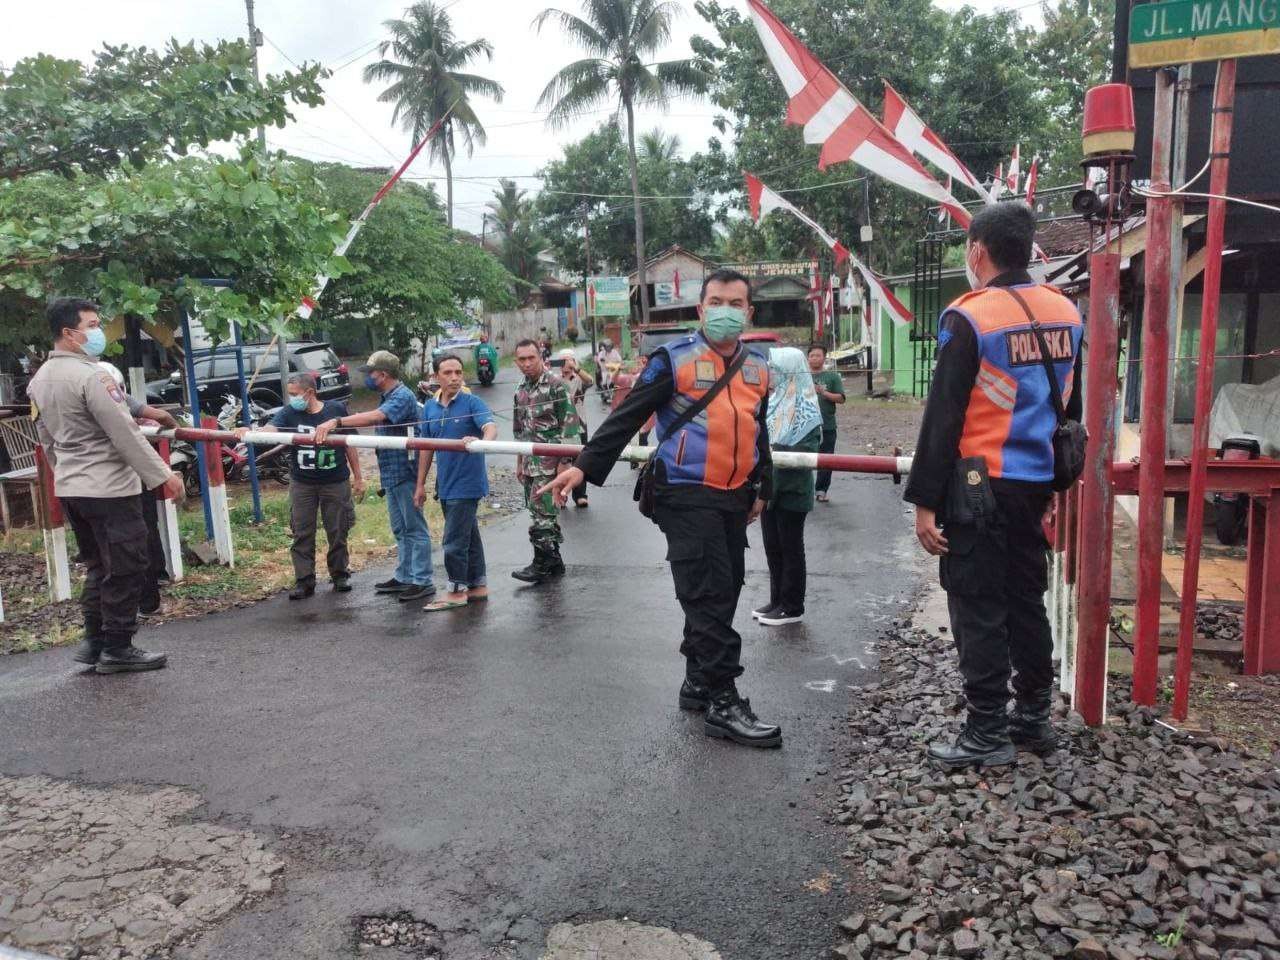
(321, 479)
(461, 481)
(397, 415)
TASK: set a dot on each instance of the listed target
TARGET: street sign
(1186, 31)
(609, 296)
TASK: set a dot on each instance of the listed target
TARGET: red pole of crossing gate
(1155, 385)
(1096, 498)
(1224, 92)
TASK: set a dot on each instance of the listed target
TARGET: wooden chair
(18, 434)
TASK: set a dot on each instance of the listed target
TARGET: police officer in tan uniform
(101, 462)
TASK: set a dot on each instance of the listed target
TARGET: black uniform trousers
(783, 533)
(156, 568)
(995, 577)
(112, 537)
(706, 547)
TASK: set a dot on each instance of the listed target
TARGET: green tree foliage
(599, 164)
(622, 37)
(424, 65)
(970, 76)
(1072, 53)
(137, 104)
(409, 274)
(137, 241)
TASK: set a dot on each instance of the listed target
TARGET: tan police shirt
(93, 444)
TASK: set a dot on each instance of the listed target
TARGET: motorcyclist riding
(486, 357)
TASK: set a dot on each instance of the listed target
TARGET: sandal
(435, 605)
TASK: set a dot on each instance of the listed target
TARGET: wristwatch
(337, 423)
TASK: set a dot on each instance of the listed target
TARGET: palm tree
(621, 38)
(423, 63)
(658, 147)
(513, 217)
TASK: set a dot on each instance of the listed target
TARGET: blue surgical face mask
(298, 402)
(95, 342)
(370, 383)
(722, 322)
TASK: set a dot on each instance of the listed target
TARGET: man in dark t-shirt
(830, 387)
(322, 479)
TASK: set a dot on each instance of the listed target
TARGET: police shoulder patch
(751, 373)
(113, 391)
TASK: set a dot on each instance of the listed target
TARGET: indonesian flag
(675, 286)
(905, 124)
(1014, 171)
(1032, 176)
(997, 181)
(832, 117)
(943, 215)
(306, 308)
(762, 200)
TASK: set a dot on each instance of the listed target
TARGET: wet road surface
(506, 767)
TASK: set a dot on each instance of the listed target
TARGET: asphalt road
(503, 768)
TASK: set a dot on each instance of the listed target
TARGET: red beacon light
(1110, 132)
(1109, 125)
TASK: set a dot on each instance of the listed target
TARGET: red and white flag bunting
(762, 200)
(1015, 171)
(1032, 176)
(832, 117)
(905, 124)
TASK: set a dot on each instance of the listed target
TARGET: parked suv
(217, 378)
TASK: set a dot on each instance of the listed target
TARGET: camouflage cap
(383, 360)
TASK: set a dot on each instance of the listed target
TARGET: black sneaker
(89, 651)
(779, 616)
(129, 660)
(764, 611)
(301, 591)
(391, 586)
(417, 592)
(342, 584)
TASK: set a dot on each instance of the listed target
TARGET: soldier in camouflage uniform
(542, 413)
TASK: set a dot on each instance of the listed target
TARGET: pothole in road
(397, 935)
(623, 940)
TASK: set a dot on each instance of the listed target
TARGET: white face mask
(974, 282)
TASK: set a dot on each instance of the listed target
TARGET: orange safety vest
(718, 447)
(1010, 419)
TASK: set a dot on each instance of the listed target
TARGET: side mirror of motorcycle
(175, 377)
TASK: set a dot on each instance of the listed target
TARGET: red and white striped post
(218, 504)
(167, 511)
(53, 525)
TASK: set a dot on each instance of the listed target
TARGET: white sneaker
(764, 611)
(776, 618)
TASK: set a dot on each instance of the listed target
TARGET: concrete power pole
(255, 41)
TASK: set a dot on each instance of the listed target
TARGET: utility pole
(586, 273)
(282, 350)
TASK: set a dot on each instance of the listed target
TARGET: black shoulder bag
(645, 483)
(1069, 438)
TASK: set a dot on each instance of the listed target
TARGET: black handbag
(1070, 439)
(646, 482)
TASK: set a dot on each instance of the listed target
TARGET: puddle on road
(623, 940)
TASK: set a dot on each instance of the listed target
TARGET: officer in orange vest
(981, 483)
(710, 475)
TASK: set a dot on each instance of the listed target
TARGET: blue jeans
(413, 539)
(463, 551)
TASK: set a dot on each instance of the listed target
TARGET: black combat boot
(694, 692)
(730, 717)
(1029, 726)
(119, 655)
(537, 571)
(983, 742)
(555, 563)
(91, 647)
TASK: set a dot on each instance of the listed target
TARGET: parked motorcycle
(1231, 510)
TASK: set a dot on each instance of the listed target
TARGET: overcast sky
(352, 126)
